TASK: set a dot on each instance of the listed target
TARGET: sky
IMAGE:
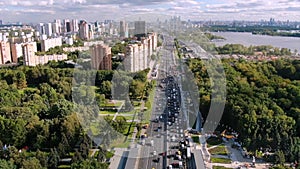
(33, 11)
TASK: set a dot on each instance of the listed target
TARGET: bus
(188, 152)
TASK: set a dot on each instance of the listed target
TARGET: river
(248, 39)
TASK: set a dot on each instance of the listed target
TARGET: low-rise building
(35, 60)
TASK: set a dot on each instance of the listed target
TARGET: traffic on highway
(166, 145)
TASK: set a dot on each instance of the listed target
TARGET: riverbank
(248, 39)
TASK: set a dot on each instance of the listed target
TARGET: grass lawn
(220, 150)
(109, 154)
(148, 104)
(116, 104)
(212, 141)
(129, 129)
(121, 144)
(107, 112)
(136, 103)
(220, 160)
(64, 166)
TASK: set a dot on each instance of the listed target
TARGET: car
(175, 165)
(173, 138)
(144, 136)
(155, 120)
(154, 153)
(156, 160)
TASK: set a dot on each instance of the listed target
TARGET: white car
(154, 153)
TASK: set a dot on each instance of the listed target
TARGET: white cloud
(190, 9)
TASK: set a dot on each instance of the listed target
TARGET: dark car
(175, 165)
(156, 160)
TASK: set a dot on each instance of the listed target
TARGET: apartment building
(5, 55)
(138, 55)
(46, 44)
(101, 57)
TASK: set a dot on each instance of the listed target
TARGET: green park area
(220, 160)
(218, 150)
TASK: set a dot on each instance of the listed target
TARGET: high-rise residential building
(28, 52)
(67, 25)
(41, 28)
(16, 51)
(1, 22)
(5, 55)
(123, 29)
(75, 24)
(138, 55)
(101, 57)
(70, 25)
(57, 27)
(46, 44)
(48, 29)
(139, 28)
(153, 36)
(126, 30)
(91, 31)
(83, 30)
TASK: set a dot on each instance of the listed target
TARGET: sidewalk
(115, 161)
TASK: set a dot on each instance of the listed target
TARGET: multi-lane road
(162, 148)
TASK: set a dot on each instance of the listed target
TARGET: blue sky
(47, 10)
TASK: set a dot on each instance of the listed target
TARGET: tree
(21, 80)
(53, 159)
(105, 88)
(60, 109)
(136, 89)
(84, 148)
(31, 163)
(61, 150)
(89, 164)
(101, 155)
(77, 157)
(7, 164)
(71, 129)
(279, 157)
(42, 157)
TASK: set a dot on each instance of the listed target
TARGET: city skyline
(47, 10)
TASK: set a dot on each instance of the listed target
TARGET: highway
(168, 123)
(174, 110)
(157, 131)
